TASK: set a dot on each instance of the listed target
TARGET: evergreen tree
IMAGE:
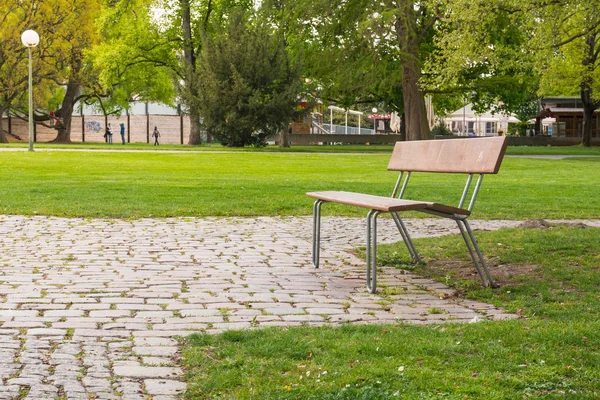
(249, 85)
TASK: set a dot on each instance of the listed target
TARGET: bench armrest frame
(402, 183)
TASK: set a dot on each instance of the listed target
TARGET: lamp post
(30, 39)
(465, 131)
(374, 110)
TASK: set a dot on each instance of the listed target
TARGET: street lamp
(374, 110)
(30, 39)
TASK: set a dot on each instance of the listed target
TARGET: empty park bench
(472, 156)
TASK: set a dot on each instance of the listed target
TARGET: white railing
(340, 130)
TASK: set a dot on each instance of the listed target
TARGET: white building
(465, 121)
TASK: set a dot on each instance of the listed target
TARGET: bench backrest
(468, 155)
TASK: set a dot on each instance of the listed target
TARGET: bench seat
(384, 204)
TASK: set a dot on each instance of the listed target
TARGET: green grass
(355, 148)
(214, 147)
(551, 353)
(133, 185)
(554, 150)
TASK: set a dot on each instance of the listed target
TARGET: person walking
(122, 125)
(156, 135)
(109, 133)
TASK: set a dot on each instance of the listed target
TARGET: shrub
(440, 129)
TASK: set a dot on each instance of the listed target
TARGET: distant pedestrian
(108, 133)
(122, 125)
(53, 118)
(156, 135)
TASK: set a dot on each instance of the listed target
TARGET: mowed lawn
(576, 150)
(134, 185)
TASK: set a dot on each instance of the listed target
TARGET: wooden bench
(472, 156)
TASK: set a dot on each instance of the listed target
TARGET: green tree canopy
(56, 22)
(134, 60)
(482, 55)
(569, 54)
(364, 51)
(513, 50)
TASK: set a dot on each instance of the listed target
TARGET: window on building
(470, 127)
(562, 129)
(457, 126)
(490, 128)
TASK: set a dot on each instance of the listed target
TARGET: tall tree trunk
(283, 137)
(3, 138)
(65, 114)
(417, 126)
(105, 125)
(195, 128)
(589, 105)
(403, 126)
(588, 115)
(190, 72)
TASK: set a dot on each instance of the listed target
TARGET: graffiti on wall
(93, 126)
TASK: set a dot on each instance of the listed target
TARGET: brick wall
(168, 125)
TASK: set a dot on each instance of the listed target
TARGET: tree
(362, 50)
(15, 17)
(78, 35)
(190, 65)
(510, 50)
(569, 40)
(248, 84)
(479, 55)
(343, 59)
(12, 80)
(118, 58)
(187, 23)
(524, 112)
(276, 14)
(132, 61)
(67, 33)
(101, 52)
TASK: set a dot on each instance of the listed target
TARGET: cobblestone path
(89, 308)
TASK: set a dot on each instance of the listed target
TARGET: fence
(346, 130)
(535, 140)
(344, 139)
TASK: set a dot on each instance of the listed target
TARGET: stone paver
(89, 307)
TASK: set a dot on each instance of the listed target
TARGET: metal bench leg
(476, 255)
(480, 255)
(316, 233)
(414, 255)
(372, 250)
(467, 240)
